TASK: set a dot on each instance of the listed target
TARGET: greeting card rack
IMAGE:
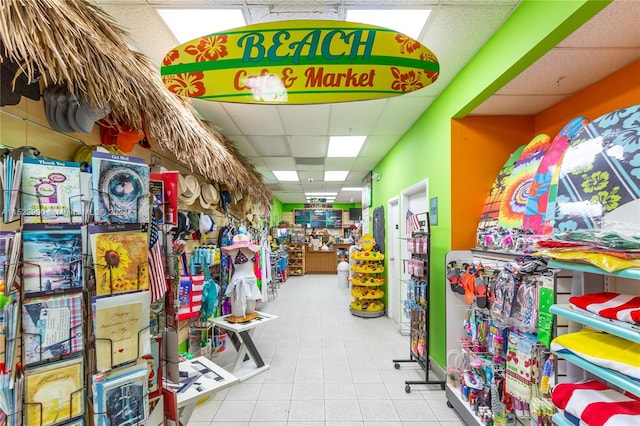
(416, 306)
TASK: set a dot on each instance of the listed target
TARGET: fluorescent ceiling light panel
(355, 188)
(335, 176)
(345, 146)
(188, 24)
(320, 194)
(286, 175)
(408, 22)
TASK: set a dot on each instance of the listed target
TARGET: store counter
(324, 261)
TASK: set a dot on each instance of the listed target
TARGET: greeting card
(50, 191)
(122, 399)
(51, 327)
(120, 256)
(54, 392)
(120, 188)
(52, 259)
(121, 325)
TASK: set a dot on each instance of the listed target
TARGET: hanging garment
(378, 227)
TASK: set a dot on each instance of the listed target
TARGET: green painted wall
(276, 212)
(425, 150)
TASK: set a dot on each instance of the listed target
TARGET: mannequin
(243, 287)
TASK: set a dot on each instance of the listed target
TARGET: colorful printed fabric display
(602, 349)
(615, 306)
(595, 404)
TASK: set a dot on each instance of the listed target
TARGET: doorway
(394, 310)
(416, 199)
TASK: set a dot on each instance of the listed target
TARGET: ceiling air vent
(309, 161)
(274, 187)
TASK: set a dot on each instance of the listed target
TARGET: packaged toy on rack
(502, 369)
(416, 304)
(366, 282)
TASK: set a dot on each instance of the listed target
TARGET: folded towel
(616, 306)
(596, 405)
(602, 349)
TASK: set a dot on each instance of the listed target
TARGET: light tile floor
(328, 368)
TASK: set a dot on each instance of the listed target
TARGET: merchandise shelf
(454, 400)
(596, 321)
(632, 273)
(613, 377)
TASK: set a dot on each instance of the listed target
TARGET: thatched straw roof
(76, 43)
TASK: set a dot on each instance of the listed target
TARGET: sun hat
(241, 241)
(61, 115)
(209, 196)
(189, 189)
(11, 72)
(82, 116)
(226, 198)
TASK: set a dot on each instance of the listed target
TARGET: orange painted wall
(618, 90)
(479, 147)
(481, 144)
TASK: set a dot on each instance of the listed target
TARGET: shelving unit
(366, 283)
(603, 324)
(595, 321)
(417, 305)
(296, 259)
(457, 308)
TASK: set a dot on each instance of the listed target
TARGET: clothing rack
(417, 305)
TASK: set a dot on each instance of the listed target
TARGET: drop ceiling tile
(280, 163)
(151, 35)
(306, 175)
(270, 146)
(320, 186)
(291, 186)
(308, 146)
(480, 2)
(615, 26)
(355, 118)
(516, 105)
(305, 119)
(365, 163)
(217, 116)
(311, 168)
(564, 71)
(399, 114)
(244, 146)
(377, 146)
(257, 161)
(355, 178)
(256, 119)
(339, 163)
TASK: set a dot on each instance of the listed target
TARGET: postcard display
(76, 344)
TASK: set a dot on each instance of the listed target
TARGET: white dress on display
(243, 287)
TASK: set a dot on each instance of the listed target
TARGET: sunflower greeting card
(120, 257)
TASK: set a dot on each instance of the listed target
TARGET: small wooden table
(240, 334)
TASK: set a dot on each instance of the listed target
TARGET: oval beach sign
(299, 62)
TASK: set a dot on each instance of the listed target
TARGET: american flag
(157, 281)
(412, 223)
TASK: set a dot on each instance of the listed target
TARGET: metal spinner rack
(416, 305)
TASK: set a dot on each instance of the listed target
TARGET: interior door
(393, 256)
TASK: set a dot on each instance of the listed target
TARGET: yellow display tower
(367, 266)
